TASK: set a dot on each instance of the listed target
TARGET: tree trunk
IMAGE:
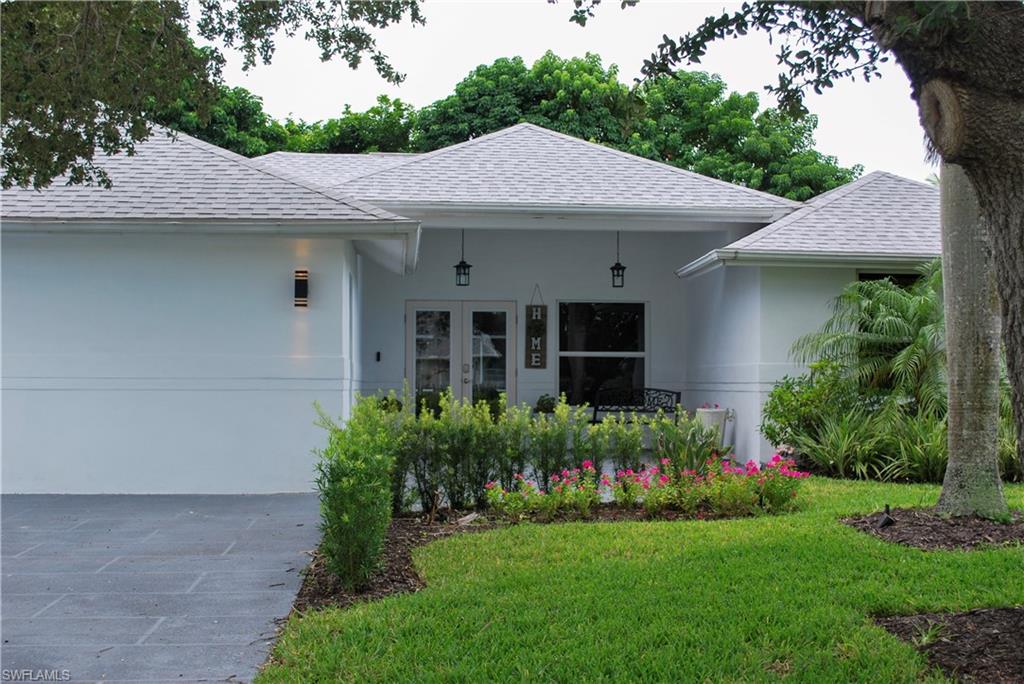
(967, 75)
(972, 484)
(1001, 192)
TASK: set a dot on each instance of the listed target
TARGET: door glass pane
(581, 377)
(597, 327)
(489, 366)
(433, 355)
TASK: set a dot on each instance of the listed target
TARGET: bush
(546, 404)
(552, 438)
(684, 440)
(914, 448)
(843, 446)
(619, 439)
(354, 483)
(797, 407)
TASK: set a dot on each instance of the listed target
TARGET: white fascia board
(341, 228)
(734, 257)
(425, 210)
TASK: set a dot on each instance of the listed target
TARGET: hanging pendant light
(618, 270)
(462, 268)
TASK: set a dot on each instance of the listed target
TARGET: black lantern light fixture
(618, 270)
(302, 289)
(462, 268)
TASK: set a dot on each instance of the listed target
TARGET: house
(172, 334)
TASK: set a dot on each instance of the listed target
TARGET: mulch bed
(396, 575)
(982, 645)
(925, 529)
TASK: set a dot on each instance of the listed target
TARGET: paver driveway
(149, 588)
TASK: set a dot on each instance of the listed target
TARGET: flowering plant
(723, 488)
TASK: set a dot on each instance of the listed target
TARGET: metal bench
(639, 400)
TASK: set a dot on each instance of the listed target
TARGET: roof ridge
(806, 210)
(904, 179)
(414, 158)
(329, 193)
(332, 155)
(663, 165)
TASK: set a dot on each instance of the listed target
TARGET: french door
(468, 346)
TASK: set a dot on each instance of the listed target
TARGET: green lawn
(741, 600)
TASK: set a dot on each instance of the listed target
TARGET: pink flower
(489, 485)
(588, 465)
(629, 471)
(663, 479)
(666, 461)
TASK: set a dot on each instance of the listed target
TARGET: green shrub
(466, 441)
(546, 404)
(798, 406)
(731, 496)
(619, 439)
(684, 440)
(513, 426)
(843, 446)
(552, 436)
(913, 447)
(354, 483)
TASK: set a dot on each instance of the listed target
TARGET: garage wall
(164, 364)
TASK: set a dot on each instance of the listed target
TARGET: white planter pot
(714, 417)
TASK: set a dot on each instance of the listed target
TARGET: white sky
(874, 124)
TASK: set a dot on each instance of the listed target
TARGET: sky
(874, 124)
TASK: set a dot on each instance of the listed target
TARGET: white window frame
(645, 354)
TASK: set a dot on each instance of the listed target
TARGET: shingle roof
(878, 216)
(184, 179)
(880, 213)
(329, 169)
(527, 165)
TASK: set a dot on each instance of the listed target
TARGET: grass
(757, 599)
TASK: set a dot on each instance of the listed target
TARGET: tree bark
(1001, 193)
(972, 484)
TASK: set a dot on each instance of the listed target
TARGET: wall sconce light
(618, 270)
(462, 268)
(302, 288)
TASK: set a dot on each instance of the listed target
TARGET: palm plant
(887, 338)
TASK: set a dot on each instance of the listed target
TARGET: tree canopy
(689, 119)
(576, 96)
(79, 77)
